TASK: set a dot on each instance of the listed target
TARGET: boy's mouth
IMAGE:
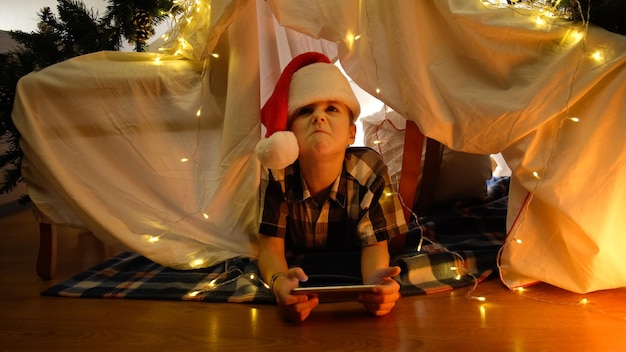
(320, 131)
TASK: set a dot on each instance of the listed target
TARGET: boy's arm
(271, 257)
(274, 270)
(375, 270)
(374, 257)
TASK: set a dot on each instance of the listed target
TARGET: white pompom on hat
(308, 78)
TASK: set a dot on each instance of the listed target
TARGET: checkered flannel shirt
(362, 207)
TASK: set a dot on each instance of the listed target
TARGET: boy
(332, 199)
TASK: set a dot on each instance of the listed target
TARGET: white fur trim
(278, 150)
(320, 82)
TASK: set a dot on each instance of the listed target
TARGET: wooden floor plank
(542, 318)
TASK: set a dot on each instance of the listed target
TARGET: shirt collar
(298, 191)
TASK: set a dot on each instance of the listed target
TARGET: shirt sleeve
(383, 217)
(274, 217)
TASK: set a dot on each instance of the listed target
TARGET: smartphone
(328, 294)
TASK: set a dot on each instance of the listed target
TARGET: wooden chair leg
(411, 166)
(47, 257)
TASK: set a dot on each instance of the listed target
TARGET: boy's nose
(319, 117)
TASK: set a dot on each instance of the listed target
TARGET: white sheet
(113, 142)
(486, 80)
(105, 133)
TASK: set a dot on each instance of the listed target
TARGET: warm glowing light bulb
(215, 55)
(205, 215)
(377, 90)
(196, 263)
(540, 21)
(184, 160)
(199, 112)
(350, 40)
(576, 36)
(574, 119)
(518, 241)
(153, 239)
(597, 56)
(584, 301)
(536, 175)
(419, 245)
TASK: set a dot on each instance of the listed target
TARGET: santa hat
(308, 78)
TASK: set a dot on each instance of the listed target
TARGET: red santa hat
(308, 78)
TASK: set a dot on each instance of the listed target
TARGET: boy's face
(323, 128)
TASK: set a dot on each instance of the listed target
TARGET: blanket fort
(158, 154)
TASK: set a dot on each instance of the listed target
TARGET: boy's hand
(293, 307)
(386, 292)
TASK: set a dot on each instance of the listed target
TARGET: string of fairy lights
(460, 267)
(544, 14)
(183, 17)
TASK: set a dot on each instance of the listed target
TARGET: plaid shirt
(362, 207)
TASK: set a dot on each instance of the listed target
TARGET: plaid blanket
(454, 247)
(132, 276)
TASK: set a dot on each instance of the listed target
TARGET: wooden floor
(541, 318)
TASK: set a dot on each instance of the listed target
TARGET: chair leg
(47, 257)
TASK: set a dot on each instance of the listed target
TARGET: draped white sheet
(104, 134)
(485, 80)
(113, 143)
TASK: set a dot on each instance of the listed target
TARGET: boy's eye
(305, 111)
(332, 108)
